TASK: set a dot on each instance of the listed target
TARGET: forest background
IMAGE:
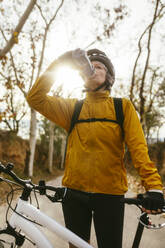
(34, 33)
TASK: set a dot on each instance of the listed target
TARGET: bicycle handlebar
(130, 201)
(42, 187)
(135, 201)
(60, 192)
(8, 169)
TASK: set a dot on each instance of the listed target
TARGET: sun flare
(70, 81)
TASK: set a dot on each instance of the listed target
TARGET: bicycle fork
(140, 228)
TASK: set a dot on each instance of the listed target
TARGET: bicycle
(144, 221)
(26, 218)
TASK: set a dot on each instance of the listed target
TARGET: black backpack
(78, 106)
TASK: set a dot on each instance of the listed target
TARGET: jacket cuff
(156, 190)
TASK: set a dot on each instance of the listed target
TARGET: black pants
(106, 210)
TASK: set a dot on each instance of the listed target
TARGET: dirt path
(152, 239)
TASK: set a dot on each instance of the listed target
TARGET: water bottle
(83, 63)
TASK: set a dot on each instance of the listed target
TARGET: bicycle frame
(31, 230)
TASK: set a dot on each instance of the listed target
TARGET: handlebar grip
(134, 201)
(8, 170)
(2, 168)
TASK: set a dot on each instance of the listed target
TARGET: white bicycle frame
(37, 236)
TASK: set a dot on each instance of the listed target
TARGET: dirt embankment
(13, 148)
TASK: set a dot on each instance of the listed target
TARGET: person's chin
(91, 86)
(92, 83)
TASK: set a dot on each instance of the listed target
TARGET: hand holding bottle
(83, 63)
(78, 60)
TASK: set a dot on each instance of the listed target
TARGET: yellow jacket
(94, 159)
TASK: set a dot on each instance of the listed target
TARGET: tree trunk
(51, 146)
(143, 122)
(18, 29)
(63, 144)
(32, 141)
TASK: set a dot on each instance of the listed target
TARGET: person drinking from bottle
(95, 174)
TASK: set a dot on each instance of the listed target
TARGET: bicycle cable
(10, 207)
(35, 195)
(28, 239)
(9, 183)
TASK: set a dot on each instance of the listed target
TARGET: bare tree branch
(14, 67)
(3, 75)
(149, 27)
(109, 27)
(158, 14)
(45, 34)
(33, 60)
(136, 63)
(152, 96)
(141, 93)
(18, 29)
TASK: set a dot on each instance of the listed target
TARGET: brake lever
(54, 198)
(58, 196)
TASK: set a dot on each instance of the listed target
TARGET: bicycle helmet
(97, 55)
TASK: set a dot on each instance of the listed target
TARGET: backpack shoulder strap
(119, 112)
(76, 113)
